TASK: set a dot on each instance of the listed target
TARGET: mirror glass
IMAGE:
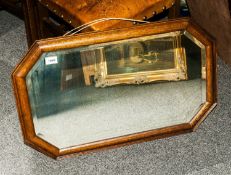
(103, 91)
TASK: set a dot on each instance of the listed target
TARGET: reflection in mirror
(108, 90)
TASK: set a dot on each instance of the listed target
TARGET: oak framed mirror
(97, 90)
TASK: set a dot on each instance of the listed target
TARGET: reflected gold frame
(179, 72)
(54, 44)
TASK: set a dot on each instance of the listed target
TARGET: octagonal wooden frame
(59, 43)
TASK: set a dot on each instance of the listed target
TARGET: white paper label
(68, 77)
(51, 60)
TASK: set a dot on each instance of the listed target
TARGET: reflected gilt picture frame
(177, 73)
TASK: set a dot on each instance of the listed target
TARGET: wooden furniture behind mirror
(230, 7)
(214, 17)
(47, 18)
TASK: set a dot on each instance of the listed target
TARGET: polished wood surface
(79, 12)
(54, 44)
(49, 18)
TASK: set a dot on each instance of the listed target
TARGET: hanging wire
(86, 25)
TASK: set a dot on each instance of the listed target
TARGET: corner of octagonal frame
(211, 73)
(18, 77)
(21, 70)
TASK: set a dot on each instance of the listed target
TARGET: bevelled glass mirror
(84, 92)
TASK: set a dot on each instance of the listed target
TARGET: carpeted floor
(206, 151)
